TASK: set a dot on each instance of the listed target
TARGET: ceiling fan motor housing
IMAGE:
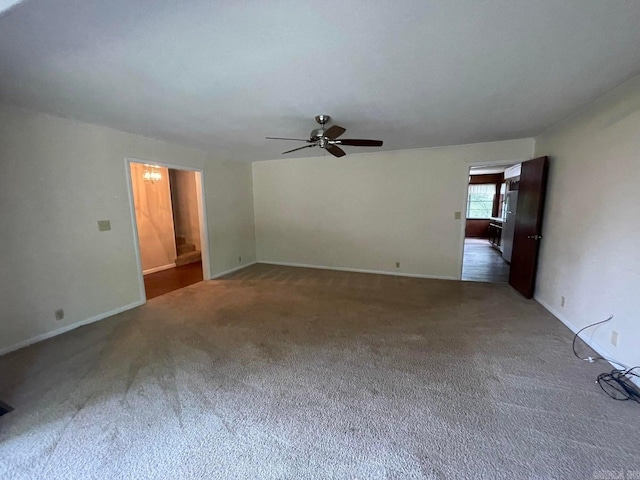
(316, 134)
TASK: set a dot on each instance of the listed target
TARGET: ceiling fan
(327, 139)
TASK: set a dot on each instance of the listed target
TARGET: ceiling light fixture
(151, 174)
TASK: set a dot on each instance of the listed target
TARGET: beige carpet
(278, 372)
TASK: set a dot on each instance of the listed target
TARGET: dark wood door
(528, 227)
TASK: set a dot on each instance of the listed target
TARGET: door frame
(202, 216)
(463, 223)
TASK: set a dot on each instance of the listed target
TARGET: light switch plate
(457, 215)
(104, 225)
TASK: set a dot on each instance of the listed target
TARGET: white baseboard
(358, 270)
(599, 349)
(227, 272)
(115, 311)
(67, 328)
(158, 269)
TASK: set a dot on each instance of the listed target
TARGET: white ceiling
(221, 75)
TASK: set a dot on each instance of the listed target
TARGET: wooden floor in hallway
(159, 283)
(483, 263)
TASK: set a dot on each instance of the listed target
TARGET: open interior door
(528, 225)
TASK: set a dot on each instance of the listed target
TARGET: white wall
(154, 218)
(369, 211)
(229, 191)
(57, 178)
(592, 220)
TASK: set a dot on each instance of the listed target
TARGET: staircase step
(186, 248)
(190, 257)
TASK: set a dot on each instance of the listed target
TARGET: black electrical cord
(618, 383)
(591, 359)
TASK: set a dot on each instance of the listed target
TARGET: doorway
(170, 232)
(490, 219)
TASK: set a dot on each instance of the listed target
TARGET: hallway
(483, 263)
(159, 283)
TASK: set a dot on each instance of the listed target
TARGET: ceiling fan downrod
(317, 135)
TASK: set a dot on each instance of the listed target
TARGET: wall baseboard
(358, 270)
(67, 328)
(599, 349)
(235, 269)
(158, 269)
(96, 318)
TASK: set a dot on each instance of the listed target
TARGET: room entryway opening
(169, 226)
(490, 220)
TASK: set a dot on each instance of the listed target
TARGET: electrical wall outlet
(562, 300)
(239, 259)
(397, 264)
(59, 314)
(614, 338)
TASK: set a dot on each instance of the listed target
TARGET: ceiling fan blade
(335, 150)
(281, 138)
(299, 148)
(356, 142)
(334, 131)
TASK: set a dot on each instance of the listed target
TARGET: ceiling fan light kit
(328, 139)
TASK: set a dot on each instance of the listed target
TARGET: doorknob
(534, 237)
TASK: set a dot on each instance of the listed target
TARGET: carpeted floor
(278, 372)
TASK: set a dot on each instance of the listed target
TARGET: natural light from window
(480, 200)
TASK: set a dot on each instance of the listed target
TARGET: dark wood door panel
(528, 226)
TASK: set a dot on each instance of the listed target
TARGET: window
(480, 200)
